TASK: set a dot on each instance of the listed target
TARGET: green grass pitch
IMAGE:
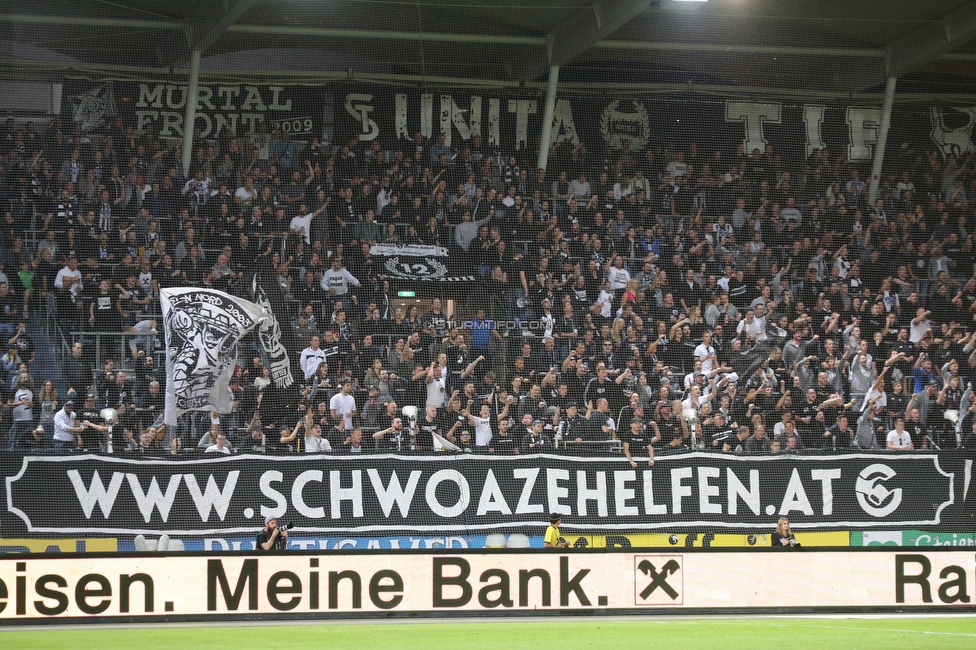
(792, 633)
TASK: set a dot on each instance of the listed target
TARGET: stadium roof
(801, 46)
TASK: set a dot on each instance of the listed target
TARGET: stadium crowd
(627, 302)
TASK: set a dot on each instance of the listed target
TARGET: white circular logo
(874, 497)
(625, 120)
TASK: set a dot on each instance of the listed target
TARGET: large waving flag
(203, 328)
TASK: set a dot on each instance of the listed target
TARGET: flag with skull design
(203, 328)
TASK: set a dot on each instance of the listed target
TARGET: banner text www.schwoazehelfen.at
(442, 494)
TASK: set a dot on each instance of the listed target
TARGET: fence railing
(112, 345)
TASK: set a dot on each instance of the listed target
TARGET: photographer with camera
(273, 538)
(783, 537)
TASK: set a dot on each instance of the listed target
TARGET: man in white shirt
(877, 395)
(750, 326)
(706, 353)
(343, 404)
(791, 212)
(21, 415)
(66, 428)
(436, 386)
(760, 320)
(618, 275)
(69, 278)
(219, 447)
(482, 425)
(314, 442)
(580, 187)
(197, 189)
(247, 194)
(639, 183)
(336, 281)
(303, 224)
(605, 301)
(311, 357)
(678, 166)
(898, 438)
(920, 324)
(904, 185)
(740, 215)
(723, 282)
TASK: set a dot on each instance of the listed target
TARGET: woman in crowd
(783, 537)
(47, 400)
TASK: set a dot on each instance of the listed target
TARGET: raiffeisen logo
(873, 497)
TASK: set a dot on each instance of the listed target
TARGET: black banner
(238, 107)
(513, 122)
(90, 494)
(275, 340)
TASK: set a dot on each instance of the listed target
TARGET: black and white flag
(275, 340)
(415, 262)
(203, 328)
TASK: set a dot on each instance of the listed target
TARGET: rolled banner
(275, 340)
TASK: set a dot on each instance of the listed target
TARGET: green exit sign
(406, 294)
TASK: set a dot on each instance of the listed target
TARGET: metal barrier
(108, 345)
(614, 445)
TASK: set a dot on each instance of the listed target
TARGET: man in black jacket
(534, 441)
(77, 372)
(146, 373)
(576, 427)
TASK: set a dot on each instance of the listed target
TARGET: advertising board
(60, 545)
(911, 538)
(430, 583)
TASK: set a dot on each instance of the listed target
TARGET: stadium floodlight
(682, 5)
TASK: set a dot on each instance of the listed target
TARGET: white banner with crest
(415, 262)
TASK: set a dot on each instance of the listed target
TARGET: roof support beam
(202, 27)
(88, 21)
(879, 147)
(910, 51)
(545, 143)
(206, 33)
(924, 44)
(211, 18)
(392, 35)
(274, 30)
(16, 69)
(719, 48)
(192, 96)
(581, 31)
